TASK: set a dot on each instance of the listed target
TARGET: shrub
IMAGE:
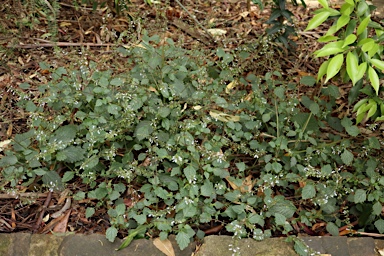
(186, 148)
(354, 46)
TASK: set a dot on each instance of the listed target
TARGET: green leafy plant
(187, 148)
(354, 46)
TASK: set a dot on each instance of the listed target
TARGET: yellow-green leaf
(326, 39)
(374, 79)
(347, 8)
(359, 104)
(342, 21)
(363, 25)
(334, 66)
(349, 40)
(372, 110)
(322, 70)
(324, 3)
(317, 20)
(368, 45)
(223, 116)
(373, 50)
(379, 64)
(330, 48)
(352, 66)
(361, 70)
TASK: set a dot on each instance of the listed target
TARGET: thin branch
(197, 22)
(59, 44)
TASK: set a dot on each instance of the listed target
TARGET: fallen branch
(23, 195)
(59, 44)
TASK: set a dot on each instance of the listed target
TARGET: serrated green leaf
(40, 171)
(52, 180)
(353, 130)
(332, 229)
(284, 207)
(73, 154)
(207, 189)
(377, 208)
(241, 166)
(8, 160)
(360, 196)
(164, 112)
(255, 218)
(182, 239)
(89, 213)
(91, 162)
(308, 191)
(68, 175)
(24, 86)
(334, 66)
(143, 130)
(379, 224)
(116, 81)
(113, 109)
(111, 233)
(374, 79)
(22, 141)
(64, 134)
(326, 169)
(308, 80)
(314, 108)
(280, 219)
(347, 157)
(190, 173)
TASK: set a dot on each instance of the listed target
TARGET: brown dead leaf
(248, 184)
(233, 185)
(165, 246)
(61, 226)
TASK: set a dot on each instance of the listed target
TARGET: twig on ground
(59, 44)
(197, 22)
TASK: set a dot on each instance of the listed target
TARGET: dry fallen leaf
(165, 246)
(223, 116)
(61, 226)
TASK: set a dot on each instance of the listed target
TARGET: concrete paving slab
(342, 246)
(227, 246)
(18, 244)
(358, 246)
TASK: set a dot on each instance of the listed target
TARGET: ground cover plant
(166, 139)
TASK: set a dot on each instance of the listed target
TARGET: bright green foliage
(189, 150)
(354, 46)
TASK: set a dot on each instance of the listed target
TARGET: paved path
(94, 245)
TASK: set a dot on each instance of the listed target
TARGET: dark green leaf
(143, 130)
(332, 229)
(182, 239)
